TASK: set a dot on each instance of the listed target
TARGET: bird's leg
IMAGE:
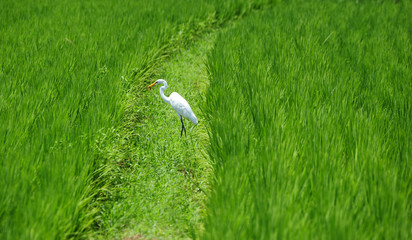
(181, 132)
(183, 127)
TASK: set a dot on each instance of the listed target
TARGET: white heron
(178, 103)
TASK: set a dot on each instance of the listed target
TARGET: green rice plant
(309, 108)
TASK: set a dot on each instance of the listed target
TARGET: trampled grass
(158, 192)
(61, 64)
(309, 108)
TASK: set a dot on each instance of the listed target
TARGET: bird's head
(159, 81)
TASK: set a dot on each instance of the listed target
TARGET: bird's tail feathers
(194, 120)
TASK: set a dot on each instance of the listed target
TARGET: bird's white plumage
(180, 105)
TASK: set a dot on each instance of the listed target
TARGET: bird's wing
(181, 106)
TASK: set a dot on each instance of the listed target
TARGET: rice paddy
(304, 109)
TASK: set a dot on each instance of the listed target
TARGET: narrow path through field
(158, 180)
(161, 191)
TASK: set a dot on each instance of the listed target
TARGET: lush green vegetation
(62, 94)
(308, 113)
(309, 108)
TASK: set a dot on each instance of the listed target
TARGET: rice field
(62, 89)
(309, 109)
(304, 109)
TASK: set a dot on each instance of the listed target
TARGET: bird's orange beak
(151, 85)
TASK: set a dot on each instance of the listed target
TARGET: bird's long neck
(162, 88)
